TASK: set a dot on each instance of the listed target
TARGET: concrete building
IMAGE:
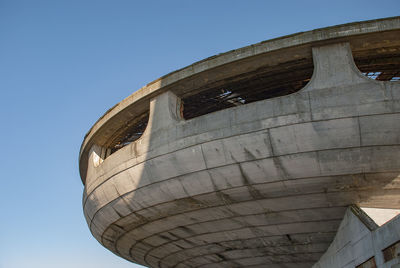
(258, 157)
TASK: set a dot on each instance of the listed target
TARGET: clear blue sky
(64, 63)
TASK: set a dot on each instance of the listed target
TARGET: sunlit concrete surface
(263, 184)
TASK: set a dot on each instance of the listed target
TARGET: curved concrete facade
(262, 184)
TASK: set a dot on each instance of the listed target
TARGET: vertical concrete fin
(96, 157)
(334, 67)
(350, 233)
(164, 111)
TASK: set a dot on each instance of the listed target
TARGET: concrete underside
(264, 184)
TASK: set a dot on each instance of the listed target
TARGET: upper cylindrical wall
(362, 36)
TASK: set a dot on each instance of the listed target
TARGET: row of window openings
(213, 100)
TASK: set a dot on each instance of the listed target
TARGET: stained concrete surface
(264, 184)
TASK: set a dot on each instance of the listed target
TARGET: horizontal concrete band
(230, 177)
(372, 98)
(180, 255)
(141, 231)
(370, 126)
(221, 212)
(183, 250)
(147, 195)
(346, 133)
(232, 213)
(137, 234)
(151, 190)
(239, 257)
(359, 35)
(177, 254)
(274, 255)
(327, 199)
(253, 258)
(272, 241)
(260, 261)
(320, 163)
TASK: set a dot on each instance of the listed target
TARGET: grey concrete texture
(362, 36)
(355, 243)
(263, 184)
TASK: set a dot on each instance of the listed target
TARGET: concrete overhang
(362, 36)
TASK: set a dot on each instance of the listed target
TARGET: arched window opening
(380, 65)
(130, 133)
(264, 83)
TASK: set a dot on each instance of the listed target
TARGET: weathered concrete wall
(281, 170)
(355, 243)
(266, 183)
(363, 37)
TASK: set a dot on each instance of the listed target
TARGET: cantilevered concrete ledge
(265, 184)
(361, 36)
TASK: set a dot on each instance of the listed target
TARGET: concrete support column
(165, 110)
(334, 67)
(97, 154)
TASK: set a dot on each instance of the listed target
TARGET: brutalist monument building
(278, 154)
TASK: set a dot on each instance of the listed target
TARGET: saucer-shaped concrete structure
(250, 158)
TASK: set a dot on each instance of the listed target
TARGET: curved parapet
(263, 181)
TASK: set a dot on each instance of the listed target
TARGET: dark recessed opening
(370, 263)
(263, 83)
(131, 132)
(391, 252)
(380, 65)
